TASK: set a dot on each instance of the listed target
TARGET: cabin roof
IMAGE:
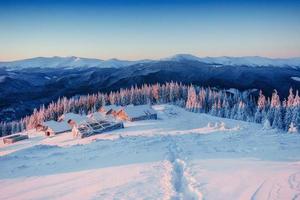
(74, 117)
(57, 126)
(97, 116)
(112, 107)
(139, 110)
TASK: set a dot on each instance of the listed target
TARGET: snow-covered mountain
(76, 62)
(183, 155)
(66, 62)
(40, 86)
(253, 61)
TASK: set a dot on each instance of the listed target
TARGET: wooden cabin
(73, 119)
(14, 138)
(95, 124)
(94, 128)
(110, 109)
(54, 127)
(136, 113)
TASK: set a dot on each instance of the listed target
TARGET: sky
(139, 29)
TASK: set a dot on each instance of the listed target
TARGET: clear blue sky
(132, 29)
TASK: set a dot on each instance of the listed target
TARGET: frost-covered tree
(292, 128)
(296, 117)
(240, 105)
(192, 99)
(277, 122)
(261, 106)
(266, 125)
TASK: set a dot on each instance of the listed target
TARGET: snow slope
(181, 155)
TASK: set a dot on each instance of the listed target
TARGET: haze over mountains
(72, 62)
(22, 90)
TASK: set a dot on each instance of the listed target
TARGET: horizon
(117, 58)
(135, 30)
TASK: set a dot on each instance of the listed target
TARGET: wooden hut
(14, 138)
(94, 128)
(96, 123)
(136, 113)
(54, 127)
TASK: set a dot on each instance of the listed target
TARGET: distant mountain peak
(65, 62)
(181, 57)
(253, 61)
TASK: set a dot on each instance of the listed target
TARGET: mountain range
(75, 62)
(27, 84)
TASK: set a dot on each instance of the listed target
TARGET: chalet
(14, 138)
(95, 123)
(110, 109)
(53, 127)
(73, 119)
(136, 113)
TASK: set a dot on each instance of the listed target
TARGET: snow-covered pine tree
(267, 125)
(278, 122)
(292, 128)
(192, 99)
(261, 106)
(296, 117)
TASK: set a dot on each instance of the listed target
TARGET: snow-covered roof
(112, 107)
(97, 116)
(74, 117)
(140, 110)
(57, 126)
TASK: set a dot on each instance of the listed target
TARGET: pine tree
(296, 117)
(277, 122)
(292, 128)
(217, 102)
(266, 125)
(192, 98)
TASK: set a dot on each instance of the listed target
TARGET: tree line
(280, 114)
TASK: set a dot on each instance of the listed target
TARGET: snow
(182, 155)
(138, 110)
(295, 78)
(97, 116)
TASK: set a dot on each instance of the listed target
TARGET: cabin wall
(102, 110)
(122, 115)
(72, 123)
(49, 132)
(40, 128)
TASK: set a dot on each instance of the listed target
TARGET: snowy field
(178, 156)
